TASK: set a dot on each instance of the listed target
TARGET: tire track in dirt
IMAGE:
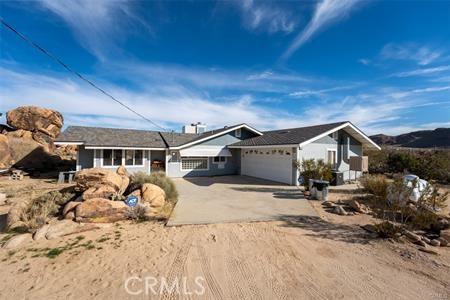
(283, 249)
(178, 266)
(241, 277)
(211, 281)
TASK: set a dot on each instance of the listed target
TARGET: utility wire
(26, 39)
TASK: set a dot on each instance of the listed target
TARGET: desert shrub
(427, 164)
(399, 210)
(42, 208)
(314, 169)
(424, 216)
(376, 185)
(386, 229)
(137, 213)
(157, 178)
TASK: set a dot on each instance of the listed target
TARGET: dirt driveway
(226, 199)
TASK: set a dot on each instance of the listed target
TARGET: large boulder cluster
(27, 141)
(102, 196)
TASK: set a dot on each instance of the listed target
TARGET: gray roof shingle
(288, 136)
(113, 137)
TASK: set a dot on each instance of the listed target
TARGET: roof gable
(304, 135)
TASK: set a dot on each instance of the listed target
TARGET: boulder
(428, 250)
(98, 177)
(6, 159)
(426, 240)
(435, 243)
(70, 215)
(340, 210)
(445, 234)
(36, 119)
(99, 210)
(70, 206)
(369, 227)
(18, 240)
(29, 154)
(66, 227)
(41, 232)
(104, 191)
(358, 207)
(412, 236)
(153, 195)
(123, 173)
(444, 242)
(20, 133)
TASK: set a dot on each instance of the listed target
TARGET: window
(195, 164)
(133, 158)
(237, 132)
(118, 157)
(332, 158)
(219, 160)
(107, 157)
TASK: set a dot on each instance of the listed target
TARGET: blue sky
(384, 65)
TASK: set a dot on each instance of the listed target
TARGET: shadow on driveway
(279, 193)
(322, 229)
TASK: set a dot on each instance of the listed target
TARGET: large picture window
(196, 164)
(118, 157)
(133, 158)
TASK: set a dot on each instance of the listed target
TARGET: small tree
(312, 169)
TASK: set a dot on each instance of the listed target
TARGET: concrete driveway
(225, 199)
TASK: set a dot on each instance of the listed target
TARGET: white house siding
(231, 167)
(319, 150)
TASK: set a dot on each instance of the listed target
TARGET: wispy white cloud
(421, 72)
(172, 103)
(319, 92)
(326, 13)
(98, 25)
(267, 16)
(364, 61)
(420, 54)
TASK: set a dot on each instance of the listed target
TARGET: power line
(26, 39)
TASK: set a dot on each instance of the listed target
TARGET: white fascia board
(265, 146)
(68, 143)
(216, 135)
(127, 148)
(338, 128)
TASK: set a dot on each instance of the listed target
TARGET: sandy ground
(291, 259)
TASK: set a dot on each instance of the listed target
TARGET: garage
(268, 163)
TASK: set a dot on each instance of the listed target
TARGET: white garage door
(270, 164)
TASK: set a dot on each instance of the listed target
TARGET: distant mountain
(440, 137)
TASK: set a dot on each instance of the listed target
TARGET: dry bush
(376, 185)
(157, 178)
(138, 213)
(387, 229)
(399, 210)
(38, 212)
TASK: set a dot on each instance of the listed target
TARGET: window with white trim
(134, 158)
(238, 132)
(220, 159)
(194, 164)
(112, 157)
(332, 158)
